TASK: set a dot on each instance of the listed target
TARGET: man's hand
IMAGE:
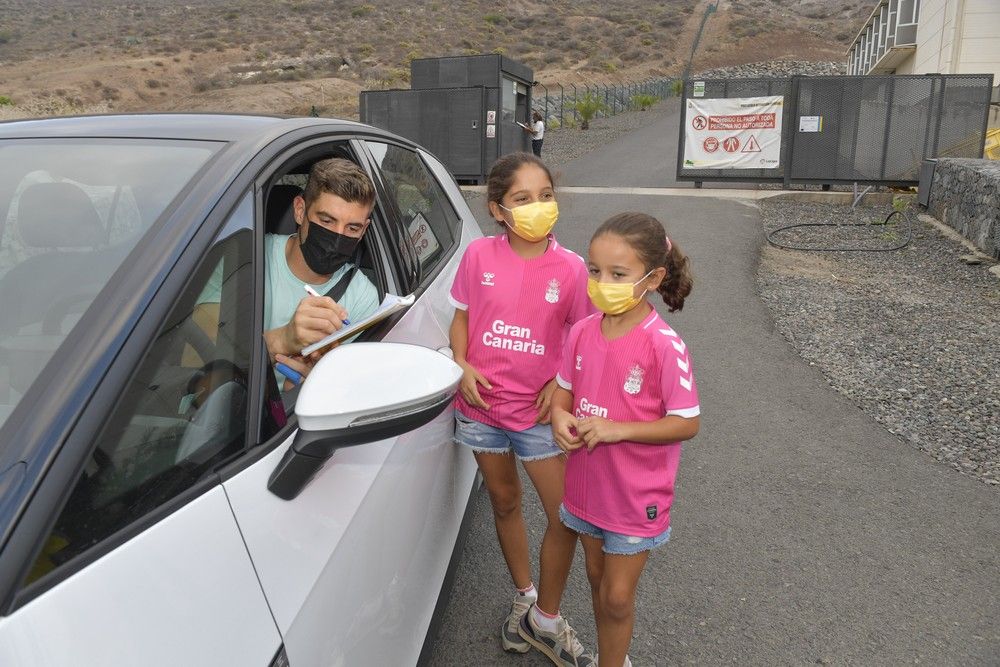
(544, 402)
(564, 427)
(315, 318)
(595, 430)
(469, 386)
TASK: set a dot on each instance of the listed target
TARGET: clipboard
(524, 126)
(390, 304)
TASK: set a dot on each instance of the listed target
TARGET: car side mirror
(361, 393)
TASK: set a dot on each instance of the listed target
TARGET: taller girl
(516, 295)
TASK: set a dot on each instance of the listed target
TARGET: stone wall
(965, 195)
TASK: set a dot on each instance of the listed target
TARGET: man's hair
(342, 178)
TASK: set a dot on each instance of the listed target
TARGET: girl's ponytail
(679, 280)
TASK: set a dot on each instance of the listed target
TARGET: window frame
(422, 279)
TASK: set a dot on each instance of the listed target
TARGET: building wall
(958, 37)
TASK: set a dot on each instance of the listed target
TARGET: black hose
(903, 244)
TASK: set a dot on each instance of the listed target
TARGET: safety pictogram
(699, 122)
(711, 144)
(731, 144)
(752, 146)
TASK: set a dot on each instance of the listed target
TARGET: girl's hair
(649, 240)
(501, 175)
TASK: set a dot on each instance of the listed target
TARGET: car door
(352, 566)
(145, 564)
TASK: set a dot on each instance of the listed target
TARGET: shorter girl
(627, 400)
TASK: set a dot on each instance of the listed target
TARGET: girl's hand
(564, 430)
(469, 386)
(544, 402)
(595, 430)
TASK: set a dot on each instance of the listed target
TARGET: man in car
(333, 214)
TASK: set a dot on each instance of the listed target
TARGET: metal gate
(858, 129)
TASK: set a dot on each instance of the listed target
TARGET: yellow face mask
(533, 222)
(615, 298)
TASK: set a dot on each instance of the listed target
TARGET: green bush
(643, 101)
(494, 19)
(5, 101)
(676, 87)
(587, 107)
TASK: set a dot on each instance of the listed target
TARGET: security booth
(464, 109)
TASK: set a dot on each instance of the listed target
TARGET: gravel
(775, 68)
(910, 336)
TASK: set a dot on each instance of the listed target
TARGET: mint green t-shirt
(283, 291)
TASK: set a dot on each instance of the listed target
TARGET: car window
(183, 412)
(428, 215)
(70, 212)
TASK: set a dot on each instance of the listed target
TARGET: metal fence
(558, 102)
(876, 129)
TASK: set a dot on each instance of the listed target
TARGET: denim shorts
(534, 444)
(614, 543)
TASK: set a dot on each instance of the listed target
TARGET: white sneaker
(561, 647)
(510, 639)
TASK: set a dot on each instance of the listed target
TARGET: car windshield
(71, 210)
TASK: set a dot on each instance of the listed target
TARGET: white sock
(529, 592)
(544, 622)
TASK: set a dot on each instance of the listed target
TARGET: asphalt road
(803, 532)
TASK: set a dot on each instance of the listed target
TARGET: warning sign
(752, 145)
(747, 129)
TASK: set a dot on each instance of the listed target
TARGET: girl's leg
(617, 606)
(594, 554)
(559, 542)
(504, 486)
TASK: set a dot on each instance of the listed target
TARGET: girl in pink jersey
(515, 296)
(627, 399)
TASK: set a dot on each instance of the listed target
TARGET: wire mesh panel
(865, 129)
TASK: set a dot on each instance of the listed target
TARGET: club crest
(634, 382)
(552, 293)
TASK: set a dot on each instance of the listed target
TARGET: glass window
(428, 215)
(182, 414)
(70, 213)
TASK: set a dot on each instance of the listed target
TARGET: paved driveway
(804, 533)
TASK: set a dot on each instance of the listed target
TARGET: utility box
(463, 109)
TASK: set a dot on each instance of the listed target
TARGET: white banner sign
(737, 133)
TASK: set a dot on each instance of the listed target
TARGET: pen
(313, 292)
(292, 375)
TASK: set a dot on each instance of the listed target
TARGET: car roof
(189, 126)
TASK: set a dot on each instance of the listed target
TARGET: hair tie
(669, 244)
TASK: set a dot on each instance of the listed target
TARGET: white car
(161, 502)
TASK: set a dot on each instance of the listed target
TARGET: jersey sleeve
(460, 292)
(582, 305)
(567, 364)
(680, 392)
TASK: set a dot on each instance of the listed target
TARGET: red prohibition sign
(711, 145)
(731, 144)
(699, 122)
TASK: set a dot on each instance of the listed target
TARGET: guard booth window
(428, 216)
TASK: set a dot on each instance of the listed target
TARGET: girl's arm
(672, 428)
(471, 378)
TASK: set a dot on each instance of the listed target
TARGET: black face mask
(326, 251)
